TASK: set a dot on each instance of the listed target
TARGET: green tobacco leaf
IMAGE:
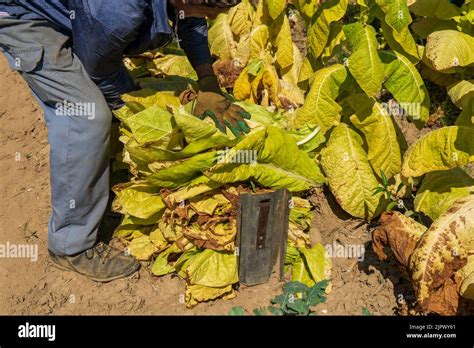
(142, 248)
(307, 8)
(441, 9)
(271, 158)
(318, 265)
(161, 266)
(131, 231)
(462, 93)
(336, 38)
(300, 273)
(436, 77)
(425, 26)
(213, 268)
(441, 189)
(320, 107)
(183, 261)
(259, 37)
(396, 13)
(284, 43)
(240, 18)
(175, 65)
(466, 118)
(181, 173)
(441, 149)
(446, 49)
(201, 293)
(405, 83)
(221, 38)
(401, 42)
(300, 212)
(151, 124)
(275, 7)
(138, 200)
(318, 33)
(148, 97)
(350, 175)
(260, 114)
(364, 63)
(200, 134)
(378, 128)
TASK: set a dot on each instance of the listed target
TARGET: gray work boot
(101, 263)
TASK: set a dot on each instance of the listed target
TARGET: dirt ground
(38, 288)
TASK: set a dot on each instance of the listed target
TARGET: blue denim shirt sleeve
(101, 34)
(192, 33)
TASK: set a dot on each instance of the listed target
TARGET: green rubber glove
(212, 103)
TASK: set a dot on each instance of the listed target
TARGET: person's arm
(193, 39)
(101, 33)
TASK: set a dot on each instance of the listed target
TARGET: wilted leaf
(465, 276)
(398, 232)
(443, 250)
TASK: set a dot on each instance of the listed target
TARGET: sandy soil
(38, 288)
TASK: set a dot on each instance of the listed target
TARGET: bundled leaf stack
(180, 206)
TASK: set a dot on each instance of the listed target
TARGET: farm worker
(70, 53)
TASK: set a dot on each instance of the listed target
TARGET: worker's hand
(211, 102)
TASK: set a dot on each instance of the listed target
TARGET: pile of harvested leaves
(180, 205)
